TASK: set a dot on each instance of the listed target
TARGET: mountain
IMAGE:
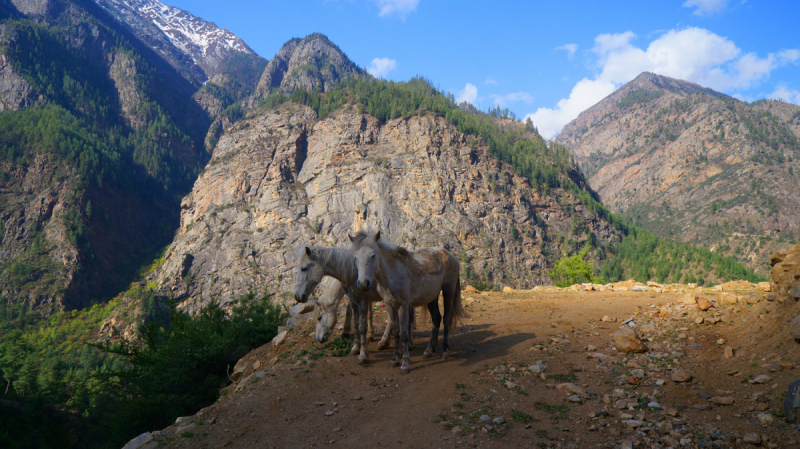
(97, 144)
(696, 165)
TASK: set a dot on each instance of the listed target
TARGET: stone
(722, 400)
(681, 375)
(632, 423)
(456, 429)
(704, 304)
(606, 319)
(764, 287)
(257, 364)
(139, 441)
(761, 379)
(575, 399)
(236, 375)
(728, 352)
(791, 405)
(498, 420)
(279, 338)
(571, 388)
(765, 418)
(538, 368)
(471, 289)
(751, 438)
(699, 320)
(654, 405)
(691, 285)
(637, 373)
(794, 328)
(485, 418)
(302, 308)
(626, 341)
(721, 341)
(689, 299)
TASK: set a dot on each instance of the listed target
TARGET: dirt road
(490, 392)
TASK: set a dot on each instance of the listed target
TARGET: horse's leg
(348, 321)
(436, 319)
(362, 330)
(353, 308)
(370, 328)
(448, 294)
(412, 324)
(405, 328)
(387, 333)
(395, 327)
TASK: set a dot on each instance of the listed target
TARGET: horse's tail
(457, 314)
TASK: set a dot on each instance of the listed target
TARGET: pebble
(328, 413)
(752, 438)
(761, 379)
(765, 418)
(728, 353)
(338, 429)
(485, 418)
(722, 400)
(575, 398)
(606, 319)
(654, 404)
(498, 420)
(681, 375)
(456, 429)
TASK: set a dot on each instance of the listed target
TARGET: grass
(556, 411)
(522, 417)
(571, 377)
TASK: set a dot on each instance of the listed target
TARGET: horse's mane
(393, 251)
(340, 256)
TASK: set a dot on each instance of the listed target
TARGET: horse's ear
(377, 236)
(351, 238)
(308, 251)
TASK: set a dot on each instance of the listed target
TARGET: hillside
(695, 165)
(96, 145)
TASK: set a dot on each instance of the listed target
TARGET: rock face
(281, 179)
(690, 163)
(785, 273)
(791, 405)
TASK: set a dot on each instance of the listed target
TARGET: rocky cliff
(283, 178)
(696, 165)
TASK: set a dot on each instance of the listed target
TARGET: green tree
(574, 270)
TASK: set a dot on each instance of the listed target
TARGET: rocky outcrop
(281, 179)
(690, 163)
(785, 273)
(313, 62)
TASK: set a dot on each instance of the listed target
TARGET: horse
(327, 309)
(314, 263)
(407, 279)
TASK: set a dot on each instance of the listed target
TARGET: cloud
(786, 94)
(380, 67)
(490, 81)
(706, 7)
(515, 97)
(398, 8)
(469, 94)
(692, 54)
(570, 49)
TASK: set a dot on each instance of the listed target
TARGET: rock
(654, 405)
(632, 423)
(279, 338)
(751, 438)
(764, 287)
(329, 413)
(471, 289)
(456, 429)
(257, 364)
(571, 388)
(794, 328)
(722, 400)
(498, 420)
(606, 319)
(699, 320)
(640, 288)
(637, 373)
(791, 405)
(689, 299)
(626, 340)
(721, 341)
(704, 304)
(236, 375)
(508, 289)
(603, 358)
(575, 398)
(765, 418)
(485, 418)
(712, 320)
(538, 368)
(681, 375)
(301, 308)
(300, 321)
(622, 404)
(691, 285)
(728, 352)
(761, 379)
(139, 441)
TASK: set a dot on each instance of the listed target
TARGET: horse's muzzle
(300, 298)
(364, 285)
(322, 338)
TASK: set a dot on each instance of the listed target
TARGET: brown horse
(407, 279)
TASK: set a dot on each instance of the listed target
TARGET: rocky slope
(282, 178)
(693, 164)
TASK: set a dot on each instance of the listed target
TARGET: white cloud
(380, 67)
(515, 97)
(469, 94)
(692, 54)
(490, 81)
(569, 48)
(706, 7)
(786, 94)
(399, 8)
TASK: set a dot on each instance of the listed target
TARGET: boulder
(626, 340)
(791, 405)
(785, 273)
(704, 304)
(681, 375)
(508, 289)
(140, 441)
(279, 338)
(689, 299)
(301, 308)
(794, 327)
(470, 289)
(764, 287)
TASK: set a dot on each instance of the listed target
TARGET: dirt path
(301, 400)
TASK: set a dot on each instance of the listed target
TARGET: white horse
(410, 279)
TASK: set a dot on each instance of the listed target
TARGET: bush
(573, 270)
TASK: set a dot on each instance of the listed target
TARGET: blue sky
(550, 60)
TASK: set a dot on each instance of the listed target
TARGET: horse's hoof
(382, 347)
(405, 370)
(361, 361)
(394, 364)
(426, 355)
(446, 354)
(355, 352)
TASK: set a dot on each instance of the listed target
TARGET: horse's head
(326, 319)
(365, 250)
(309, 274)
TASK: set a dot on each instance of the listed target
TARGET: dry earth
(295, 397)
